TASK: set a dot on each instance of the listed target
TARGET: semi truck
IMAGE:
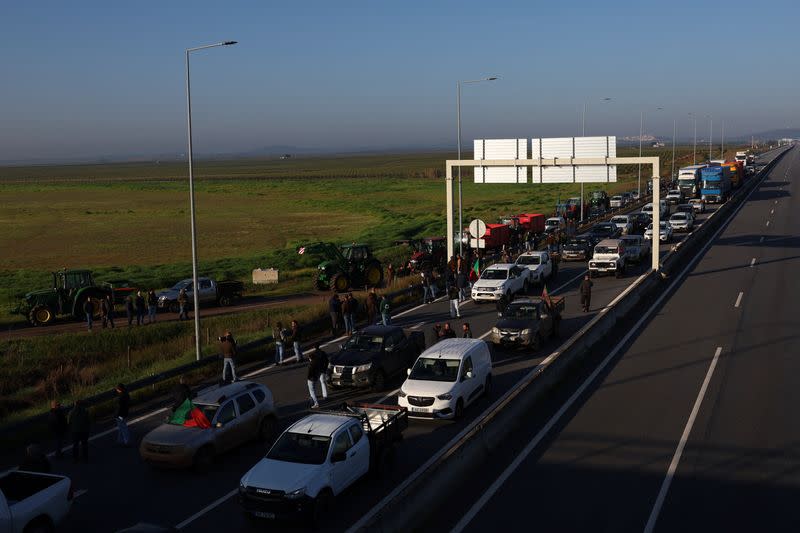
(716, 184)
(737, 173)
(689, 180)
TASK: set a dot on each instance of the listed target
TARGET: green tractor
(351, 265)
(70, 290)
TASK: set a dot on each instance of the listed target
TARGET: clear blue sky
(84, 79)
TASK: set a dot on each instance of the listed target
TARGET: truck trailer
(716, 184)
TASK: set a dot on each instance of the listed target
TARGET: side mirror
(338, 457)
(469, 374)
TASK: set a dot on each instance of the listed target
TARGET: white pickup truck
(498, 281)
(539, 265)
(317, 458)
(33, 502)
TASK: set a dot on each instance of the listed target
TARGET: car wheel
(203, 459)
(379, 381)
(459, 412)
(266, 431)
(224, 301)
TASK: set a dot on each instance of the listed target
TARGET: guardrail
(410, 504)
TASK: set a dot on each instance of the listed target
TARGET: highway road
(688, 424)
(117, 490)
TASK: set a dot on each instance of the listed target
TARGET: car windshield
(435, 369)
(300, 448)
(364, 342)
(616, 197)
(604, 228)
(576, 243)
(182, 285)
(494, 273)
(529, 260)
(686, 181)
(710, 184)
(605, 249)
(521, 310)
(678, 216)
(648, 208)
(619, 220)
(553, 222)
(674, 193)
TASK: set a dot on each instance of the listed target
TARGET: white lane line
(771, 211)
(662, 494)
(776, 202)
(738, 299)
(79, 493)
(476, 508)
(767, 222)
(213, 505)
(752, 262)
(388, 396)
(761, 239)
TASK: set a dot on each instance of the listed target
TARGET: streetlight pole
(641, 130)
(583, 134)
(694, 144)
(710, 135)
(191, 195)
(722, 151)
(674, 130)
(460, 190)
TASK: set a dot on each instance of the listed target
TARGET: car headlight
(446, 396)
(362, 368)
(401, 394)
(496, 330)
(296, 494)
(526, 332)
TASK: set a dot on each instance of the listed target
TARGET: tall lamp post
(460, 192)
(710, 135)
(583, 134)
(694, 145)
(191, 195)
(641, 133)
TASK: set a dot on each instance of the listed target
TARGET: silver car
(235, 413)
(681, 221)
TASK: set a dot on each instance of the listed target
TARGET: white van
(446, 378)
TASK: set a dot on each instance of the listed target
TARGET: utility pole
(674, 129)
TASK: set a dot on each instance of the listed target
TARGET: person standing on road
(57, 422)
(448, 332)
(278, 339)
(466, 330)
(182, 301)
(462, 282)
(372, 307)
(88, 309)
(349, 308)
(152, 306)
(316, 372)
(79, 428)
(586, 293)
(425, 280)
(298, 351)
(346, 315)
(129, 309)
(140, 306)
(453, 294)
(227, 345)
(107, 311)
(335, 310)
(389, 275)
(385, 310)
(123, 408)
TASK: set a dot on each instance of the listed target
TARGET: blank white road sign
(574, 147)
(501, 149)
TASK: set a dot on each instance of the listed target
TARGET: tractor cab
(356, 252)
(70, 280)
(344, 267)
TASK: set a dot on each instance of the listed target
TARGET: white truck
(609, 258)
(213, 292)
(317, 458)
(33, 502)
(539, 265)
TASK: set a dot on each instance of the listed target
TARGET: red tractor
(426, 253)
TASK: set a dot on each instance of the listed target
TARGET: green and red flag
(187, 414)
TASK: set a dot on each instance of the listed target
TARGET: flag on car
(546, 297)
(302, 250)
(187, 414)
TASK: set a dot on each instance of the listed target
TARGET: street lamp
(710, 134)
(583, 134)
(694, 146)
(460, 192)
(191, 195)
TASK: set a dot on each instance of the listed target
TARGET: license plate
(262, 514)
(419, 410)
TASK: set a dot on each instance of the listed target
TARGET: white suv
(538, 265)
(609, 258)
(502, 279)
(446, 378)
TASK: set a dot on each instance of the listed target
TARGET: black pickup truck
(374, 355)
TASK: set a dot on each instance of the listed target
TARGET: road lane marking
(738, 299)
(213, 505)
(79, 493)
(767, 222)
(772, 212)
(752, 262)
(761, 239)
(662, 494)
(476, 508)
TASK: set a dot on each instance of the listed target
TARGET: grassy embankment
(131, 222)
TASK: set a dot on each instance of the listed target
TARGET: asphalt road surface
(692, 424)
(117, 489)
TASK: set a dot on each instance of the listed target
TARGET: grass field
(131, 221)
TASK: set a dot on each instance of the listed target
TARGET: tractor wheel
(41, 315)
(373, 275)
(340, 282)
(319, 284)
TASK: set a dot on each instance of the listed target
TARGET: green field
(131, 221)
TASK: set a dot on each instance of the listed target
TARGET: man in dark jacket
(123, 408)
(296, 334)
(448, 332)
(372, 307)
(57, 421)
(227, 346)
(466, 330)
(335, 310)
(79, 428)
(88, 309)
(141, 306)
(129, 309)
(462, 282)
(317, 367)
(586, 293)
(107, 311)
(183, 300)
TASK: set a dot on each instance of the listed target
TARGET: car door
(360, 452)
(342, 469)
(226, 428)
(248, 417)
(208, 292)
(472, 386)
(396, 354)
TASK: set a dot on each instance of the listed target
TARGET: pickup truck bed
(17, 485)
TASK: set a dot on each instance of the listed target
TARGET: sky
(92, 79)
